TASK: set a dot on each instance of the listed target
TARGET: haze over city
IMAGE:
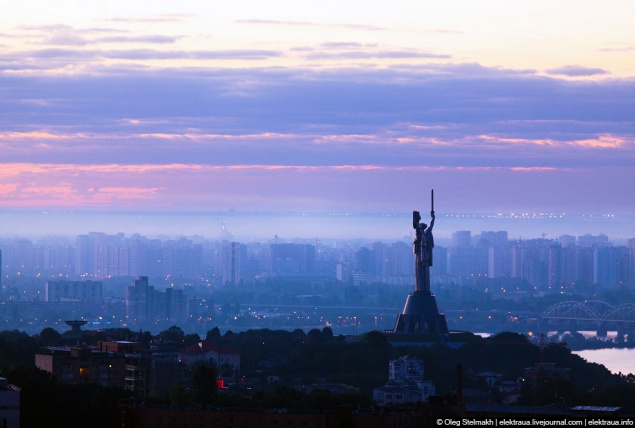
(328, 108)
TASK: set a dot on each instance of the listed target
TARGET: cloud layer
(190, 111)
(349, 139)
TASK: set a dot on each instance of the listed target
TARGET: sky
(330, 106)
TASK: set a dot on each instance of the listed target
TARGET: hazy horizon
(255, 226)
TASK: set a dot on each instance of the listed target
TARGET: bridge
(596, 314)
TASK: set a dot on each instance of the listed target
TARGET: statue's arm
(432, 221)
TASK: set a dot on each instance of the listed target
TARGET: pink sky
(177, 107)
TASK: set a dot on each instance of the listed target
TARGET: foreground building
(148, 373)
(225, 360)
(9, 405)
(405, 383)
(82, 365)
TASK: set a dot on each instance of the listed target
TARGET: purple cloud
(576, 71)
(376, 54)
(310, 24)
(153, 38)
(141, 54)
(265, 136)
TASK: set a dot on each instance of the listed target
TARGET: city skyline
(334, 107)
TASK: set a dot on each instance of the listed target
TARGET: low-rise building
(151, 373)
(9, 404)
(406, 383)
(546, 370)
(226, 360)
(82, 365)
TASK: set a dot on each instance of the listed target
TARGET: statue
(422, 248)
(421, 313)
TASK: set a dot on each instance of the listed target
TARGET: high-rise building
(517, 257)
(234, 263)
(462, 238)
(569, 265)
(364, 261)
(585, 273)
(623, 266)
(498, 255)
(140, 298)
(380, 259)
(144, 304)
(604, 266)
(80, 291)
(555, 266)
(292, 258)
(440, 257)
(630, 244)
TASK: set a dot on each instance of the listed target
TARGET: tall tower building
(400, 260)
(585, 266)
(630, 244)
(234, 261)
(498, 255)
(293, 258)
(517, 257)
(462, 239)
(605, 266)
(80, 291)
(555, 266)
(139, 301)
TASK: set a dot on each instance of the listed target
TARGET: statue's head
(423, 226)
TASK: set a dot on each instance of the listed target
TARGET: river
(617, 360)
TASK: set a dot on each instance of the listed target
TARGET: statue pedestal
(421, 315)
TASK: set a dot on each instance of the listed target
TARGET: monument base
(421, 316)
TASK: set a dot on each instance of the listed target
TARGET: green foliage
(204, 383)
(173, 334)
(17, 349)
(213, 335)
(49, 337)
(190, 339)
(548, 391)
(182, 396)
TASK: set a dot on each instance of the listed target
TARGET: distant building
(144, 304)
(9, 404)
(78, 291)
(292, 259)
(630, 244)
(234, 263)
(405, 383)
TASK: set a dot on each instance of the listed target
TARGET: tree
(204, 383)
(213, 335)
(173, 334)
(182, 396)
(191, 339)
(49, 337)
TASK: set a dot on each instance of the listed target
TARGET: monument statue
(421, 313)
(422, 248)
